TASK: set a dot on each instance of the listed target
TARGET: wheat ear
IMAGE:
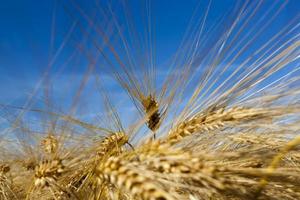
(119, 173)
(214, 120)
(151, 109)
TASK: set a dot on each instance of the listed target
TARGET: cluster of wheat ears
(223, 124)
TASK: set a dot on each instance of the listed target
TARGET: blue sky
(26, 34)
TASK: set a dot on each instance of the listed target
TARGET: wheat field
(219, 119)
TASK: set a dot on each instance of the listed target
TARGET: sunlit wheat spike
(49, 144)
(217, 119)
(48, 171)
(205, 175)
(6, 190)
(83, 179)
(152, 112)
(119, 173)
(112, 143)
(47, 181)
